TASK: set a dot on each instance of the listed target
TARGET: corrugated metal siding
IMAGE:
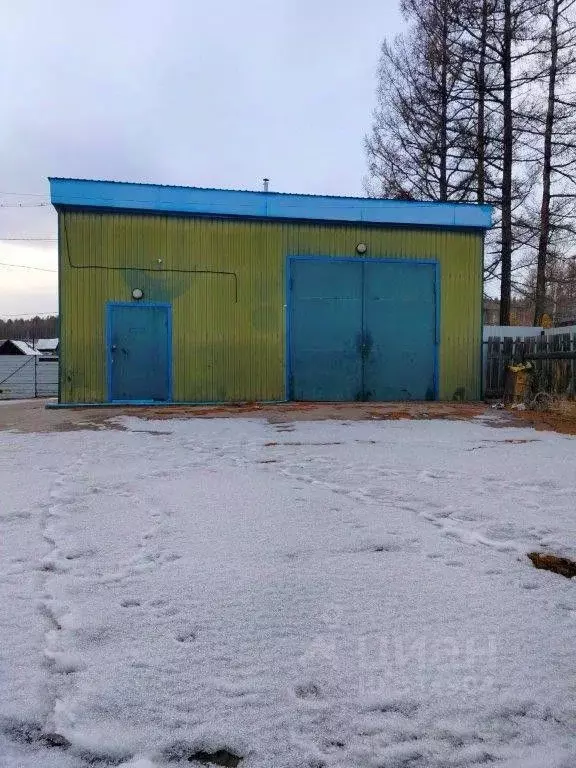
(229, 332)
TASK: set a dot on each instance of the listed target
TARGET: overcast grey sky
(215, 93)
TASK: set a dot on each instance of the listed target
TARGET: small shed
(183, 294)
(16, 347)
(47, 347)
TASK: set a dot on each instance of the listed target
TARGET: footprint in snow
(53, 565)
(530, 585)
(395, 705)
(16, 516)
(172, 557)
(335, 744)
(77, 554)
(307, 691)
(130, 603)
(384, 545)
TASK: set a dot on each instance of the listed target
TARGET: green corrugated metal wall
(229, 330)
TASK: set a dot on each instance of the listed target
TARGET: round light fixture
(361, 247)
(137, 293)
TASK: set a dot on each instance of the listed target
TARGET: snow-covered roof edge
(23, 346)
(47, 344)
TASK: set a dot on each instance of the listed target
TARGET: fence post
(35, 376)
(572, 346)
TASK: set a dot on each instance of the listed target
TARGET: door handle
(364, 344)
(367, 343)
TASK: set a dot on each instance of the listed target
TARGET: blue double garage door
(362, 329)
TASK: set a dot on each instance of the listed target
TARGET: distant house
(491, 311)
(16, 347)
(521, 312)
(47, 347)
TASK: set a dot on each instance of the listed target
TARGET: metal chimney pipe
(266, 184)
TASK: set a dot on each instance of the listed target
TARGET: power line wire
(25, 194)
(23, 205)
(25, 266)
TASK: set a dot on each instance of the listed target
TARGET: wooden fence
(27, 376)
(553, 358)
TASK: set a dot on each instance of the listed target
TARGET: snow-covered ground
(307, 595)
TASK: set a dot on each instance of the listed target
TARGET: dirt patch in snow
(223, 757)
(284, 413)
(561, 565)
(32, 416)
(561, 420)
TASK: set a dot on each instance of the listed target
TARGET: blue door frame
(110, 307)
(288, 383)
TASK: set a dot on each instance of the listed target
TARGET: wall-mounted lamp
(361, 248)
(137, 293)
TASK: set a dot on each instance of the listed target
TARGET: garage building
(182, 294)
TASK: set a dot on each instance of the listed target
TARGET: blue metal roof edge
(127, 196)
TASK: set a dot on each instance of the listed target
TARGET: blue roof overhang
(118, 196)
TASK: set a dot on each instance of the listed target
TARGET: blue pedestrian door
(362, 329)
(139, 352)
